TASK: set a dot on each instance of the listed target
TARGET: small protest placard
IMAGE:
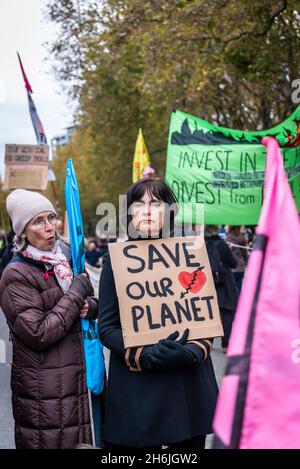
(26, 167)
(164, 285)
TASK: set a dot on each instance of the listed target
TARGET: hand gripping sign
(164, 285)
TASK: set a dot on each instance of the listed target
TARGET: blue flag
(93, 350)
(75, 219)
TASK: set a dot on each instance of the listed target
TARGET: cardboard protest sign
(224, 169)
(164, 285)
(26, 167)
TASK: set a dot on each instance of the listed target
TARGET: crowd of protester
(43, 305)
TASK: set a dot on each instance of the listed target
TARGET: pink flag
(259, 404)
(27, 85)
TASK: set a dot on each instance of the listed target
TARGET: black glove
(145, 362)
(82, 285)
(169, 354)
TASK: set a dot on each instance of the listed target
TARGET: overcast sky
(23, 29)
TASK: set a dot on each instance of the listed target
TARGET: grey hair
(19, 244)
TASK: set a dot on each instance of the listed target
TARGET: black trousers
(238, 278)
(186, 446)
(227, 317)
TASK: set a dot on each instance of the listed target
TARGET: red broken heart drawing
(192, 281)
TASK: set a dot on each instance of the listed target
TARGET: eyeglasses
(40, 223)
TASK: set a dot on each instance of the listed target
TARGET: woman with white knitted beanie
(43, 304)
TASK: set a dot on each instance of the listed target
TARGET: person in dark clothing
(160, 394)
(103, 245)
(92, 255)
(6, 252)
(225, 286)
(236, 238)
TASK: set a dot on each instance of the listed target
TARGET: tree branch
(264, 31)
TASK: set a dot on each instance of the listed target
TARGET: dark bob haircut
(157, 188)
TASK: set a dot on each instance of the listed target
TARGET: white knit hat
(22, 206)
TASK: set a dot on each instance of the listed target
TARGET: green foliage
(130, 63)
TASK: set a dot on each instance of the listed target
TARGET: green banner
(223, 169)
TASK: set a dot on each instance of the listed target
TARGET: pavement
(6, 418)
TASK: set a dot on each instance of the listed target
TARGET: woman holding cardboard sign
(161, 394)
